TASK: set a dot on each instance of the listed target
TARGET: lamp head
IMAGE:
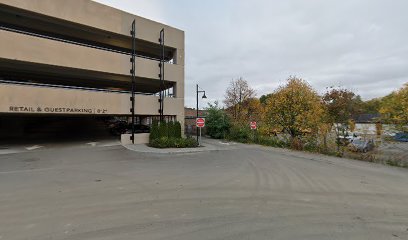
(204, 96)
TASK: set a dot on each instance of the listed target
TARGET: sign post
(200, 123)
(253, 127)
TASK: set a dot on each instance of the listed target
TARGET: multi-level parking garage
(81, 58)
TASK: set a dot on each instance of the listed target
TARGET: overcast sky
(358, 44)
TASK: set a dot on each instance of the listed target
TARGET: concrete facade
(57, 101)
(73, 58)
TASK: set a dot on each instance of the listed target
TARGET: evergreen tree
(171, 130)
(154, 131)
(177, 129)
(163, 129)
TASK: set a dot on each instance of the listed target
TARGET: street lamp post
(204, 96)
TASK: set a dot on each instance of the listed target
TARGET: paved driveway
(240, 192)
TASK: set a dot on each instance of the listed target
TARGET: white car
(346, 139)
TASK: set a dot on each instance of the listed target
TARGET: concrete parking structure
(67, 58)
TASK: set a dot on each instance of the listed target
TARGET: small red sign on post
(200, 122)
(253, 125)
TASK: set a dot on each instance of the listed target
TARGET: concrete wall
(142, 138)
(105, 18)
(44, 51)
(18, 99)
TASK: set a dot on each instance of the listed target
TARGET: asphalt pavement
(234, 192)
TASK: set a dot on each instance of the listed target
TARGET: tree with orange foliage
(295, 107)
(251, 110)
(394, 107)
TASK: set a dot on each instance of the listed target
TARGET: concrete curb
(209, 145)
(146, 149)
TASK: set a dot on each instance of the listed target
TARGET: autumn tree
(264, 98)
(252, 110)
(372, 106)
(340, 105)
(237, 93)
(295, 107)
(394, 107)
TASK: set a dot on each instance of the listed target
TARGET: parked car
(121, 127)
(117, 128)
(401, 137)
(358, 145)
(139, 128)
(347, 139)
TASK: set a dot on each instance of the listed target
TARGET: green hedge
(154, 131)
(177, 130)
(163, 129)
(168, 135)
(165, 142)
(171, 130)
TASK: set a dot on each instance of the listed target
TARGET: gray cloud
(361, 45)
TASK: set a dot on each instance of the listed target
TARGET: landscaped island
(168, 135)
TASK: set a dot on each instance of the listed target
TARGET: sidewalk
(207, 145)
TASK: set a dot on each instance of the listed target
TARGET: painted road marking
(4, 152)
(28, 170)
(93, 144)
(33, 147)
(111, 145)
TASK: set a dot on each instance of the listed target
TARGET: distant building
(190, 118)
(367, 118)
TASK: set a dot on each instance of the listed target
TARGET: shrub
(177, 129)
(170, 130)
(311, 144)
(166, 142)
(154, 131)
(240, 134)
(296, 144)
(159, 142)
(190, 142)
(217, 122)
(168, 135)
(163, 130)
(394, 163)
(271, 141)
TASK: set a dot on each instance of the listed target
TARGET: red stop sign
(200, 122)
(253, 125)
